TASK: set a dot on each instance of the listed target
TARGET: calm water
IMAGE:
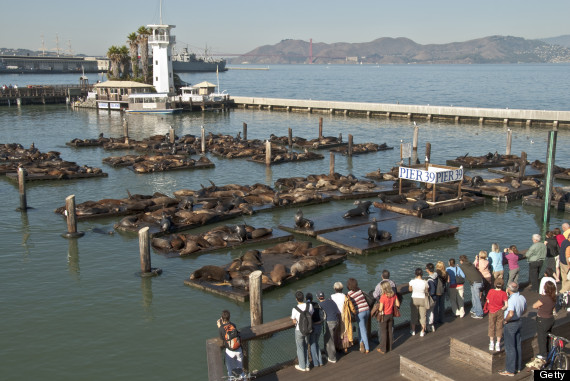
(77, 309)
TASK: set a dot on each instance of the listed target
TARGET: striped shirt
(359, 300)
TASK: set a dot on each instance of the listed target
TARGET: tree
(113, 55)
(132, 40)
(143, 33)
(124, 60)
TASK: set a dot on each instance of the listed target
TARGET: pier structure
(42, 94)
(557, 119)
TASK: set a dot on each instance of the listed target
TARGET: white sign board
(406, 150)
(434, 175)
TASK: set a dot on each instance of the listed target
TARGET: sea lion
(161, 243)
(165, 223)
(420, 205)
(385, 235)
(210, 272)
(360, 210)
(373, 230)
(476, 181)
(304, 265)
(260, 232)
(189, 248)
(321, 251)
(302, 222)
(278, 273)
(286, 247)
(129, 222)
(395, 199)
(252, 256)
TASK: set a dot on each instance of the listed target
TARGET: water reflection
(25, 233)
(73, 257)
(146, 291)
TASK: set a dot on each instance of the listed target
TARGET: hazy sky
(231, 26)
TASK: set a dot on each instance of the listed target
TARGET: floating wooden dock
(435, 209)
(486, 164)
(334, 222)
(529, 173)
(532, 200)
(405, 231)
(66, 176)
(269, 261)
(502, 192)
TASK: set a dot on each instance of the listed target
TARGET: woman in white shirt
(418, 287)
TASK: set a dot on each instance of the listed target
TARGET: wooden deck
(433, 357)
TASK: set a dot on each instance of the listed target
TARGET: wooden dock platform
(405, 231)
(532, 200)
(437, 209)
(501, 192)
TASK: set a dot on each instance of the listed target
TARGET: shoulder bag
(458, 278)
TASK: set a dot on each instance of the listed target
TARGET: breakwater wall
(418, 112)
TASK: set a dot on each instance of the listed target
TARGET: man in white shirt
(301, 340)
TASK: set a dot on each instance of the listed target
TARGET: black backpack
(440, 286)
(305, 321)
(231, 337)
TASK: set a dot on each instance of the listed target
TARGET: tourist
(332, 314)
(432, 285)
(440, 290)
(473, 276)
(362, 312)
(552, 249)
(388, 301)
(564, 259)
(496, 261)
(558, 235)
(419, 288)
(455, 288)
(385, 278)
(301, 340)
(234, 356)
(565, 230)
(513, 256)
(535, 255)
(316, 334)
(496, 303)
(544, 317)
(512, 330)
(344, 338)
(547, 277)
(481, 263)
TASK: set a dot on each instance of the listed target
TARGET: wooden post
(428, 154)
(255, 299)
(144, 249)
(415, 139)
(290, 139)
(244, 131)
(549, 175)
(320, 128)
(203, 137)
(331, 164)
(267, 153)
(171, 135)
(433, 193)
(522, 165)
(349, 145)
(71, 219)
(509, 141)
(126, 131)
(22, 188)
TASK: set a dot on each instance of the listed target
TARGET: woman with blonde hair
(441, 288)
(481, 263)
(496, 261)
(388, 301)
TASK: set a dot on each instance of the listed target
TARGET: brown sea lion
(261, 232)
(189, 248)
(304, 265)
(211, 273)
(284, 247)
(322, 250)
(252, 256)
(161, 243)
(278, 273)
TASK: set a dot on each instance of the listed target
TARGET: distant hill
(386, 50)
(560, 40)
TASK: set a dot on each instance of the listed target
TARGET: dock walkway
(457, 114)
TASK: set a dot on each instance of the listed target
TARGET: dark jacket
(472, 275)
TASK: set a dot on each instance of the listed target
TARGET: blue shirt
(517, 304)
(496, 261)
(331, 309)
(452, 271)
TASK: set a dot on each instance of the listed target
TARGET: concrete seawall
(482, 115)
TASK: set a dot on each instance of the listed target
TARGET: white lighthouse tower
(160, 40)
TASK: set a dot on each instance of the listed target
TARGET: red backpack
(231, 337)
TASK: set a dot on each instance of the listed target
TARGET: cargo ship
(186, 62)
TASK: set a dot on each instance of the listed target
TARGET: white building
(160, 41)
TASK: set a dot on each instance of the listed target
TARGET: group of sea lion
(471, 161)
(156, 163)
(362, 148)
(305, 258)
(375, 235)
(326, 183)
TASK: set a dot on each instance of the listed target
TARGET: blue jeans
(475, 299)
(314, 344)
(362, 319)
(302, 351)
(512, 334)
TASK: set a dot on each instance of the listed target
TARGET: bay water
(76, 309)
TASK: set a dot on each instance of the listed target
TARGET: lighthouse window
(157, 78)
(156, 62)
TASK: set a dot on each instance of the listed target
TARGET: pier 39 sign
(434, 174)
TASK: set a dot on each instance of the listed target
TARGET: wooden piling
(71, 218)
(350, 141)
(290, 138)
(244, 133)
(22, 189)
(203, 138)
(267, 153)
(522, 165)
(320, 128)
(126, 131)
(331, 164)
(171, 135)
(509, 141)
(255, 299)
(415, 138)
(144, 249)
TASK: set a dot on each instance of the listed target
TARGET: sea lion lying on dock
(304, 265)
(210, 273)
(393, 199)
(292, 247)
(278, 273)
(302, 222)
(420, 205)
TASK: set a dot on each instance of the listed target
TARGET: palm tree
(124, 60)
(113, 55)
(143, 33)
(132, 40)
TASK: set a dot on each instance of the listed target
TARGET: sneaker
(461, 315)
(413, 333)
(432, 327)
(422, 333)
(498, 347)
(361, 347)
(491, 346)
(299, 368)
(332, 361)
(505, 373)
(476, 317)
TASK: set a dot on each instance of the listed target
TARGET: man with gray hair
(512, 330)
(565, 230)
(535, 255)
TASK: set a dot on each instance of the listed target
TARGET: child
(497, 303)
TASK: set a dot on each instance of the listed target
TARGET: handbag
(375, 310)
(369, 299)
(396, 311)
(458, 278)
(429, 301)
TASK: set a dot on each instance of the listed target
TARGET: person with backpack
(232, 342)
(302, 316)
(456, 279)
(317, 319)
(440, 290)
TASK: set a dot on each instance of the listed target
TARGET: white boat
(151, 103)
(204, 92)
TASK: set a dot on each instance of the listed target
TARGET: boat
(186, 62)
(151, 103)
